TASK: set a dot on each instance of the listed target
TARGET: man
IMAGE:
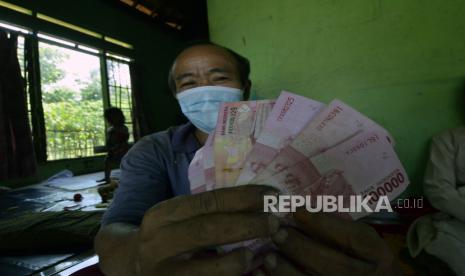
(154, 227)
(442, 234)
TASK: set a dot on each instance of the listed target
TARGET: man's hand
(324, 244)
(174, 231)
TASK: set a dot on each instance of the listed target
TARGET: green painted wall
(400, 62)
(154, 50)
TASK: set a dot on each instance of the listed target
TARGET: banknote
(290, 114)
(365, 164)
(196, 173)
(201, 171)
(208, 156)
(300, 147)
(333, 125)
(239, 125)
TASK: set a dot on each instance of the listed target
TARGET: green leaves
(73, 128)
(49, 71)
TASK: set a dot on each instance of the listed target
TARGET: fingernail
(280, 236)
(271, 191)
(270, 261)
(273, 223)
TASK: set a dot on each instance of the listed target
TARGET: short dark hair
(114, 116)
(243, 64)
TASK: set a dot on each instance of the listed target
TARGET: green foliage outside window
(72, 102)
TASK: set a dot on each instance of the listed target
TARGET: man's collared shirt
(154, 170)
(444, 181)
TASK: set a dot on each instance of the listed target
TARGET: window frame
(32, 70)
(130, 64)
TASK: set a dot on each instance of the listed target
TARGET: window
(74, 84)
(72, 101)
(119, 84)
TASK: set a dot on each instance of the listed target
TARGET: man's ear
(247, 87)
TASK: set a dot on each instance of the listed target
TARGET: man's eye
(222, 78)
(189, 83)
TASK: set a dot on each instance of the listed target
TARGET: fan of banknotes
(301, 147)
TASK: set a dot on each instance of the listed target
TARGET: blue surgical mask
(201, 104)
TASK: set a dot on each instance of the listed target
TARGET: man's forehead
(204, 54)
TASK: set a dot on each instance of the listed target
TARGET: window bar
(137, 117)
(118, 85)
(15, 8)
(105, 89)
(104, 79)
(31, 46)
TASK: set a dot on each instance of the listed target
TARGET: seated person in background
(155, 227)
(117, 140)
(443, 234)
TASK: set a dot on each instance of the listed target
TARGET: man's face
(205, 65)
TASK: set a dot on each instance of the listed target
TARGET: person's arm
(440, 178)
(176, 226)
(174, 230)
(109, 138)
(142, 184)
